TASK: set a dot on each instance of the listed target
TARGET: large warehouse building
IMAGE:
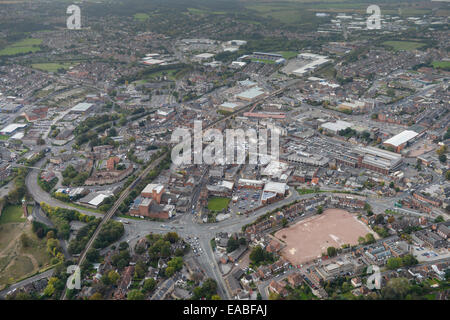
(378, 160)
(399, 141)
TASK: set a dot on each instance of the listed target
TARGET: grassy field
(12, 214)
(404, 45)
(141, 16)
(2, 137)
(22, 46)
(441, 65)
(52, 67)
(288, 54)
(18, 261)
(203, 12)
(218, 204)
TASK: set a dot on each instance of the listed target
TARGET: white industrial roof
(229, 105)
(81, 107)
(401, 138)
(251, 93)
(18, 136)
(13, 127)
(227, 184)
(275, 187)
(204, 55)
(152, 186)
(337, 126)
(98, 199)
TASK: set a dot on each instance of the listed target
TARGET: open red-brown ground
(308, 239)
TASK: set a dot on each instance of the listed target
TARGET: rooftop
(401, 138)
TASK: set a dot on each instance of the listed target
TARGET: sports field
(22, 46)
(218, 204)
(404, 45)
(309, 238)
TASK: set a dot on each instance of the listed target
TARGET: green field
(12, 214)
(141, 16)
(203, 12)
(18, 261)
(441, 65)
(218, 204)
(2, 137)
(404, 45)
(22, 46)
(52, 67)
(288, 54)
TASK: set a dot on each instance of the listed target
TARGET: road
(113, 210)
(20, 284)
(185, 226)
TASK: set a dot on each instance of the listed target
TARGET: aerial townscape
(224, 150)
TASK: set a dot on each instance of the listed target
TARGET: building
(10, 107)
(278, 288)
(273, 191)
(294, 279)
(277, 58)
(12, 128)
(111, 163)
(153, 191)
(335, 127)
(251, 94)
(378, 160)
(36, 113)
(203, 57)
(313, 61)
(228, 106)
(399, 141)
(82, 108)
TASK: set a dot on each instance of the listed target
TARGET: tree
(96, 296)
(257, 254)
(176, 263)
(394, 263)
(149, 285)
(172, 237)
(439, 219)
(361, 240)
(216, 297)
(319, 210)
(170, 271)
(232, 244)
(369, 238)
(274, 296)
(51, 235)
(92, 255)
(113, 277)
(331, 251)
(135, 295)
(442, 150)
(139, 270)
(396, 289)
(443, 158)
(379, 219)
